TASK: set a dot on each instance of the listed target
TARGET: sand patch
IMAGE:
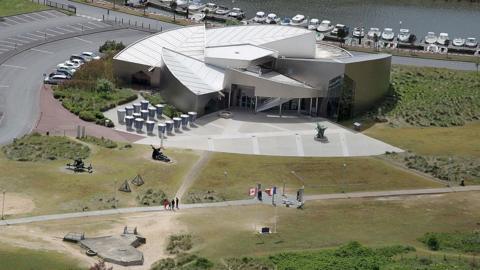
(16, 203)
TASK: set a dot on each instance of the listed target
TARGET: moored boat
(404, 35)
(236, 13)
(388, 34)
(313, 24)
(358, 32)
(272, 18)
(458, 42)
(285, 21)
(430, 38)
(210, 8)
(196, 7)
(260, 17)
(374, 32)
(337, 28)
(222, 10)
(471, 42)
(299, 20)
(325, 26)
(442, 38)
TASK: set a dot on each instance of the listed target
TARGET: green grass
(468, 242)
(155, 98)
(229, 232)
(26, 259)
(433, 97)
(14, 7)
(104, 142)
(321, 175)
(37, 147)
(54, 189)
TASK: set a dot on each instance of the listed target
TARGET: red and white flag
(252, 191)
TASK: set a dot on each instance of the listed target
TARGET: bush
(107, 143)
(104, 85)
(88, 116)
(111, 46)
(179, 243)
(432, 243)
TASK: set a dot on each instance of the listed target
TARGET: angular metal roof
(197, 76)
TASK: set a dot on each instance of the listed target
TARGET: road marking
(21, 19)
(42, 51)
(6, 24)
(43, 33)
(61, 28)
(38, 14)
(343, 143)
(86, 41)
(8, 46)
(18, 40)
(299, 142)
(32, 18)
(97, 25)
(12, 66)
(55, 13)
(20, 36)
(9, 42)
(84, 26)
(89, 17)
(54, 31)
(256, 148)
(34, 35)
(4, 50)
(210, 145)
(71, 26)
(4, 86)
(9, 19)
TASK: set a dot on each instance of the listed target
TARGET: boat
(337, 28)
(388, 34)
(182, 3)
(236, 13)
(222, 10)
(374, 32)
(442, 38)
(471, 42)
(285, 21)
(358, 32)
(430, 38)
(260, 17)
(458, 42)
(197, 17)
(325, 26)
(404, 35)
(313, 24)
(299, 20)
(196, 7)
(272, 18)
(210, 8)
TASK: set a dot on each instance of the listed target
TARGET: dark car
(55, 79)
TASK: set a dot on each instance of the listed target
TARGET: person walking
(173, 204)
(176, 200)
(165, 203)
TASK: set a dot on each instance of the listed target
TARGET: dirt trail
(193, 173)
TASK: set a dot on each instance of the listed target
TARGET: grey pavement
(337, 196)
(21, 77)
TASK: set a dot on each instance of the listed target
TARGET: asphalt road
(21, 77)
(433, 63)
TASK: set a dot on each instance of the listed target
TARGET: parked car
(90, 56)
(78, 57)
(55, 79)
(62, 66)
(67, 72)
(69, 63)
(77, 61)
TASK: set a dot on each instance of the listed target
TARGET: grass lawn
(321, 175)
(229, 232)
(55, 189)
(26, 259)
(13, 7)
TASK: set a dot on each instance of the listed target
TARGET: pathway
(193, 173)
(372, 194)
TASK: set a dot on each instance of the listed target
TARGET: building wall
(268, 88)
(372, 81)
(125, 70)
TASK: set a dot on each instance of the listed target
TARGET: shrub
(179, 243)
(88, 116)
(111, 46)
(104, 85)
(432, 242)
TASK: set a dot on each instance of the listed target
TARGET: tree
(173, 6)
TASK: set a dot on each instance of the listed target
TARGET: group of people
(167, 204)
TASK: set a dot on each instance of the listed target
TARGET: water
(458, 18)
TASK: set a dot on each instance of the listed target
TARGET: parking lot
(26, 28)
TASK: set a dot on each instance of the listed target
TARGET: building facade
(255, 67)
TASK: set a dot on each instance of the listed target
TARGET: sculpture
(79, 166)
(158, 155)
(320, 131)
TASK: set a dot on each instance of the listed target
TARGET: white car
(90, 56)
(62, 66)
(69, 63)
(77, 61)
(55, 79)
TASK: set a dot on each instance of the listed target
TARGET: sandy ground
(156, 227)
(17, 204)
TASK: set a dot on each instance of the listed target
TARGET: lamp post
(3, 204)
(344, 179)
(225, 173)
(302, 190)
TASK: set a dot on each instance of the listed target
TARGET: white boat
(404, 35)
(313, 24)
(197, 17)
(210, 8)
(430, 38)
(196, 7)
(374, 32)
(471, 42)
(299, 20)
(236, 13)
(358, 32)
(182, 3)
(222, 10)
(325, 26)
(260, 17)
(388, 34)
(285, 21)
(442, 38)
(272, 18)
(458, 42)
(337, 28)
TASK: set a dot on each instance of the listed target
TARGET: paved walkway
(192, 174)
(373, 194)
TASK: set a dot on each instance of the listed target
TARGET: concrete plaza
(266, 134)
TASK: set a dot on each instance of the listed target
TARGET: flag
(252, 192)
